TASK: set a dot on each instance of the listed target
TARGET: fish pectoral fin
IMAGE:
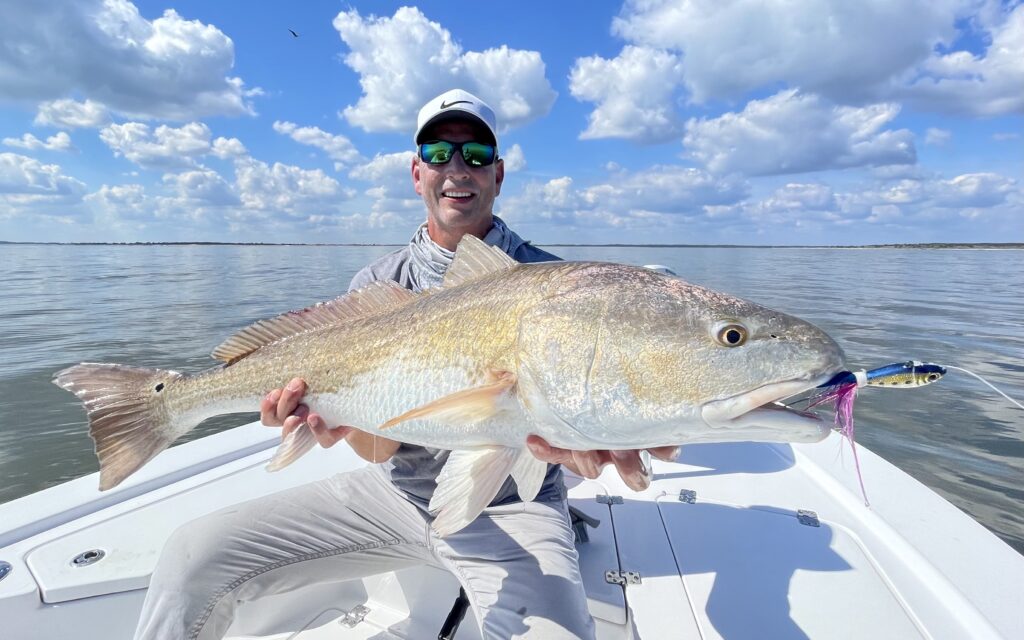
(468, 406)
(292, 447)
(529, 474)
(467, 484)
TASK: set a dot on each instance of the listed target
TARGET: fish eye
(932, 377)
(731, 334)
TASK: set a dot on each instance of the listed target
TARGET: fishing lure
(841, 390)
(899, 375)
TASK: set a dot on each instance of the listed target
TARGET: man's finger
(543, 451)
(291, 395)
(631, 469)
(666, 454)
(268, 409)
(326, 436)
(587, 463)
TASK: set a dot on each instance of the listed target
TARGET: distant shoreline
(923, 245)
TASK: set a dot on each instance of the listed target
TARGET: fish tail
(129, 419)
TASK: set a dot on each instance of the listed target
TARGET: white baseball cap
(456, 104)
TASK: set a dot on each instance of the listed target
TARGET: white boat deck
(736, 562)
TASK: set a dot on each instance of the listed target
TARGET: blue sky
(746, 122)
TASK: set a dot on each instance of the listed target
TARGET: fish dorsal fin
(475, 258)
(371, 300)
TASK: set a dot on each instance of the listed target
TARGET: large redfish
(588, 355)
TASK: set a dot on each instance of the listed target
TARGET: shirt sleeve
(364, 277)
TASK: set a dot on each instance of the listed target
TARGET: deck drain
(86, 558)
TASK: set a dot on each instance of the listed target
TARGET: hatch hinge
(355, 616)
(688, 495)
(807, 517)
(609, 499)
(614, 576)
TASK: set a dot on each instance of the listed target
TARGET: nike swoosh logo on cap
(445, 105)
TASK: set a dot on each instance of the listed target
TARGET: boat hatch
(773, 573)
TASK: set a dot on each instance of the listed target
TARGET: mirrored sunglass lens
(436, 152)
(477, 154)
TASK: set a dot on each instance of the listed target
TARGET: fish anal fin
(378, 297)
(468, 483)
(468, 406)
(292, 447)
(475, 258)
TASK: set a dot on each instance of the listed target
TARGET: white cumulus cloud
(393, 199)
(337, 147)
(286, 188)
(843, 50)
(123, 202)
(22, 175)
(72, 114)
(407, 59)
(906, 202)
(165, 147)
(975, 190)
(982, 85)
(936, 136)
(169, 67)
(515, 159)
(61, 141)
(635, 94)
(201, 186)
(642, 198)
(792, 132)
(225, 148)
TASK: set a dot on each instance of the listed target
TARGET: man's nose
(457, 166)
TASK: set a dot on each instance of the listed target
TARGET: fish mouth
(757, 415)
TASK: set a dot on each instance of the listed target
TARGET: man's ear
(416, 175)
(499, 175)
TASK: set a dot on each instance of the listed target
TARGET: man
(516, 561)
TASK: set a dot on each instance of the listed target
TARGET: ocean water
(168, 306)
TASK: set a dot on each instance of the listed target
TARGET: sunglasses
(476, 154)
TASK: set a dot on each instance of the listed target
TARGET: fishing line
(948, 366)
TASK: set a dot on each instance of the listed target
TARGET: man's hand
(589, 463)
(282, 408)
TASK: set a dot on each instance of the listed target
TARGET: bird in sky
(293, 33)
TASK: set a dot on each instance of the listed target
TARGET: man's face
(459, 197)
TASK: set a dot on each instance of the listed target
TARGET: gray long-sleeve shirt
(414, 469)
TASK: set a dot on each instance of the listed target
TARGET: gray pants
(517, 562)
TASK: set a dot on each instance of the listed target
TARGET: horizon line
(933, 245)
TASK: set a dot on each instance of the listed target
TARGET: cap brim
(457, 114)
